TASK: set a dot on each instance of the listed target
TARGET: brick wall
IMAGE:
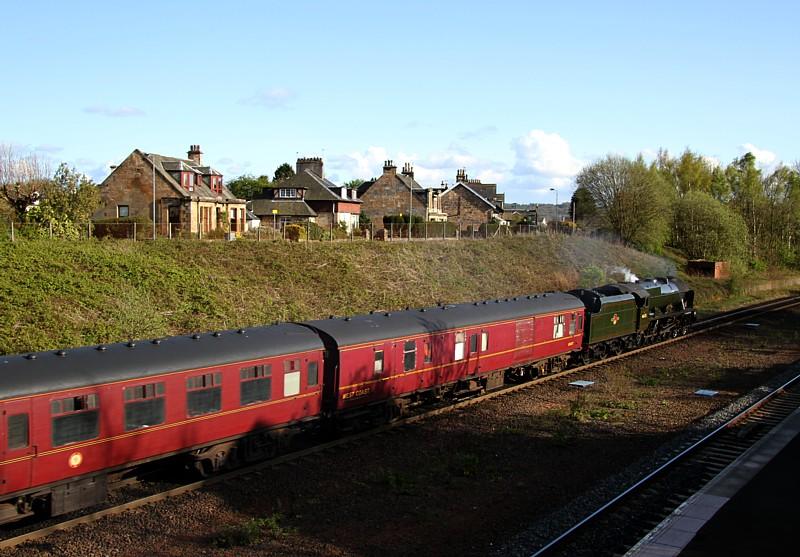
(464, 209)
(389, 196)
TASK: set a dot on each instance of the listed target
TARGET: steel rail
(773, 305)
(567, 534)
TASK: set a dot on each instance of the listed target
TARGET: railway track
(17, 536)
(616, 526)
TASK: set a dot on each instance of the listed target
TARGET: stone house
(333, 205)
(189, 196)
(466, 205)
(394, 194)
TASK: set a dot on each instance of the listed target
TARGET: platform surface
(750, 509)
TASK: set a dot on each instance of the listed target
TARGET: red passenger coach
(69, 418)
(382, 362)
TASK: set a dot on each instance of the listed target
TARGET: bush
(295, 232)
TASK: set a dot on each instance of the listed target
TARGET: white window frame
(460, 346)
(127, 211)
(484, 341)
(558, 326)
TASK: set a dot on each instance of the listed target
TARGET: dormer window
(287, 193)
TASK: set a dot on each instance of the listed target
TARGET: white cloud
(544, 154)
(114, 112)
(478, 133)
(543, 161)
(765, 160)
(273, 97)
(47, 148)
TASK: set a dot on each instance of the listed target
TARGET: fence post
(89, 230)
(12, 231)
(443, 231)
(426, 230)
(330, 227)
(134, 231)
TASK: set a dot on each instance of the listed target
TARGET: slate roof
(318, 189)
(381, 326)
(475, 193)
(285, 207)
(202, 190)
(82, 367)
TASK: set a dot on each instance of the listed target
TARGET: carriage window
(558, 326)
(75, 419)
(580, 323)
(291, 377)
(572, 325)
(473, 343)
(256, 384)
(17, 431)
(378, 362)
(144, 405)
(409, 355)
(460, 340)
(204, 394)
(484, 341)
(426, 350)
(313, 374)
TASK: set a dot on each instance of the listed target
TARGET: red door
(16, 449)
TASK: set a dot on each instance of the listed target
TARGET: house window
(287, 193)
(460, 341)
(572, 324)
(144, 405)
(291, 377)
(313, 374)
(256, 384)
(409, 355)
(473, 343)
(18, 431)
(75, 419)
(123, 211)
(204, 394)
(484, 341)
(378, 366)
(558, 326)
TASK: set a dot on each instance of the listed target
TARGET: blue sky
(519, 93)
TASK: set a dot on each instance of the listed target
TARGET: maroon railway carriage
(68, 418)
(381, 362)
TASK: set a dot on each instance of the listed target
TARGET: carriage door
(16, 447)
(524, 340)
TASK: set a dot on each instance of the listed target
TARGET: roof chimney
(195, 153)
(314, 164)
(408, 170)
(461, 175)
(389, 168)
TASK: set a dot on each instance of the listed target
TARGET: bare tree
(22, 180)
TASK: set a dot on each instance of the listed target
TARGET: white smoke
(627, 274)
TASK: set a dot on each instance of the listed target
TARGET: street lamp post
(555, 190)
(153, 160)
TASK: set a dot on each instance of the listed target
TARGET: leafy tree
(705, 228)
(283, 172)
(67, 202)
(585, 206)
(689, 172)
(633, 199)
(748, 198)
(248, 186)
(353, 184)
(22, 181)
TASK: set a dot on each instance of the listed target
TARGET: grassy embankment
(61, 294)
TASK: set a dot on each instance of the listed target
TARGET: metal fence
(302, 232)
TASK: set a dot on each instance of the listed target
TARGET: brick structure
(467, 204)
(280, 204)
(332, 205)
(189, 196)
(395, 194)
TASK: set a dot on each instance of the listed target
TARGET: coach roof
(387, 325)
(41, 372)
